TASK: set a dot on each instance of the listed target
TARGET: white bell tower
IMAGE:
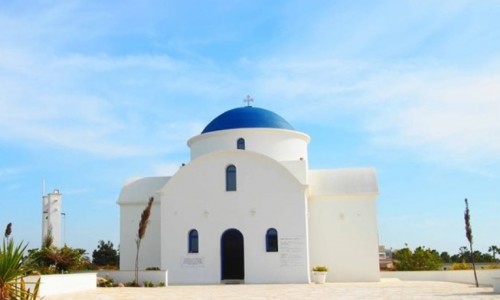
(51, 216)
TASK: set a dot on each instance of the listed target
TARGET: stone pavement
(386, 289)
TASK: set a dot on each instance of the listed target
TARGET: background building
(51, 217)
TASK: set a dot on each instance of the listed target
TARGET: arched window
(231, 178)
(272, 240)
(240, 144)
(193, 241)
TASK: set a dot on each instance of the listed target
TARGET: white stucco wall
(343, 236)
(343, 225)
(133, 200)
(349, 182)
(150, 250)
(298, 168)
(279, 144)
(139, 189)
(156, 277)
(62, 284)
(268, 196)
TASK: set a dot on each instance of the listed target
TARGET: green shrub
(148, 284)
(460, 266)
(52, 260)
(320, 269)
(12, 285)
(421, 259)
(105, 282)
(130, 283)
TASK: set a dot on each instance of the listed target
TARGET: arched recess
(193, 241)
(272, 240)
(232, 255)
(230, 178)
(240, 144)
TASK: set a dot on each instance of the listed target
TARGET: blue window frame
(272, 240)
(231, 178)
(193, 241)
(240, 144)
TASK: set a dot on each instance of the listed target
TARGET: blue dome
(247, 117)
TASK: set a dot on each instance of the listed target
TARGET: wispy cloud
(427, 83)
(6, 172)
(99, 102)
(435, 111)
(439, 113)
(44, 102)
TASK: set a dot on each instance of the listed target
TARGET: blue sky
(94, 92)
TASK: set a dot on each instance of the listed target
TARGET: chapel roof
(247, 117)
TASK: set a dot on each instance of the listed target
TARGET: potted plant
(319, 274)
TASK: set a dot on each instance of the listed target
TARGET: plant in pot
(319, 274)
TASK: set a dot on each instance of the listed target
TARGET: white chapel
(248, 209)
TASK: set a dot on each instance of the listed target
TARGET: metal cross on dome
(248, 99)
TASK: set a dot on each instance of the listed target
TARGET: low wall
(62, 283)
(155, 277)
(484, 277)
(496, 285)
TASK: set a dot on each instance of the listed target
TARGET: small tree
(105, 254)
(403, 259)
(50, 260)
(494, 250)
(143, 225)
(419, 260)
(445, 257)
(468, 234)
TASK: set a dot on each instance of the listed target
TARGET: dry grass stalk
(468, 234)
(8, 230)
(145, 219)
(143, 225)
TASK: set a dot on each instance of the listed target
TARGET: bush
(320, 269)
(461, 266)
(12, 285)
(148, 284)
(421, 259)
(492, 266)
(52, 260)
(130, 283)
(105, 282)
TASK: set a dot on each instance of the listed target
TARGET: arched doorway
(232, 255)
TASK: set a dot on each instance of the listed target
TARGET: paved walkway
(387, 289)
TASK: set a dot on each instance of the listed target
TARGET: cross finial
(248, 99)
